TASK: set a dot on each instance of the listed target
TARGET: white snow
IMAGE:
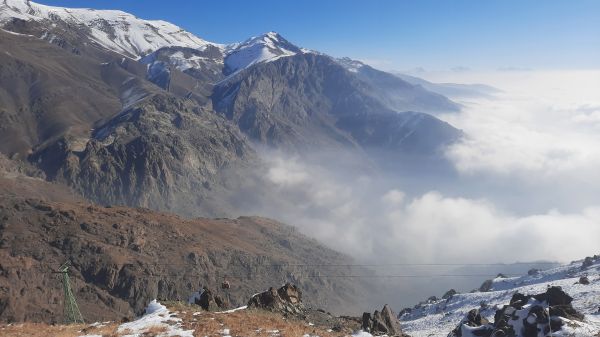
(264, 48)
(112, 29)
(232, 310)
(440, 317)
(156, 315)
(350, 64)
(133, 37)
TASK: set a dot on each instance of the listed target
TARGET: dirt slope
(123, 257)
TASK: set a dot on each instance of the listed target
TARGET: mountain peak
(262, 48)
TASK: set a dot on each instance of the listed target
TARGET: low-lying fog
(522, 186)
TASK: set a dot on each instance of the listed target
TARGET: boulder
(478, 325)
(290, 293)
(524, 316)
(554, 296)
(383, 322)
(486, 286)
(584, 280)
(587, 262)
(449, 294)
(210, 301)
(287, 300)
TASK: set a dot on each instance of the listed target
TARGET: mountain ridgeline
(109, 109)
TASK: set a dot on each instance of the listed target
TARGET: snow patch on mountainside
(113, 29)
(266, 47)
(350, 64)
(439, 317)
(157, 320)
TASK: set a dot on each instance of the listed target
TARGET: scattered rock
(287, 300)
(404, 312)
(432, 299)
(210, 302)
(522, 314)
(478, 324)
(584, 280)
(587, 262)
(486, 286)
(554, 296)
(382, 323)
(533, 272)
(449, 294)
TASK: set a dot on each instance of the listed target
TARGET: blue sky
(398, 34)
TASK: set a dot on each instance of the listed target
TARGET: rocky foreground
(274, 312)
(507, 307)
(517, 306)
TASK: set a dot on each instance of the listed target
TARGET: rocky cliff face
(123, 258)
(162, 153)
(309, 101)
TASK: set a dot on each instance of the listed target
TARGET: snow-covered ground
(157, 319)
(438, 318)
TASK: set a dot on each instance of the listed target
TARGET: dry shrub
(155, 330)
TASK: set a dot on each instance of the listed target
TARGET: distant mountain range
(113, 106)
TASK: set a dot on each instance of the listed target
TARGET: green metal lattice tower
(72, 313)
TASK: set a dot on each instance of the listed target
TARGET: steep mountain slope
(162, 152)
(39, 89)
(440, 316)
(111, 135)
(313, 101)
(123, 258)
(396, 93)
(309, 100)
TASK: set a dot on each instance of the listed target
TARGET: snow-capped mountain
(437, 317)
(265, 47)
(112, 29)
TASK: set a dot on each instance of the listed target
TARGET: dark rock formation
(486, 286)
(309, 101)
(210, 301)
(287, 300)
(589, 261)
(584, 280)
(383, 322)
(524, 316)
(449, 294)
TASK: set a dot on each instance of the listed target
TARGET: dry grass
(155, 331)
(46, 330)
(249, 323)
(246, 323)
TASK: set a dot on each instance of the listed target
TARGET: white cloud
(382, 224)
(544, 125)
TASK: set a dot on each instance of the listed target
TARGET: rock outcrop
(449, 294)
(383, 322)
(524, 316)
(286, 300)
(210, 301)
